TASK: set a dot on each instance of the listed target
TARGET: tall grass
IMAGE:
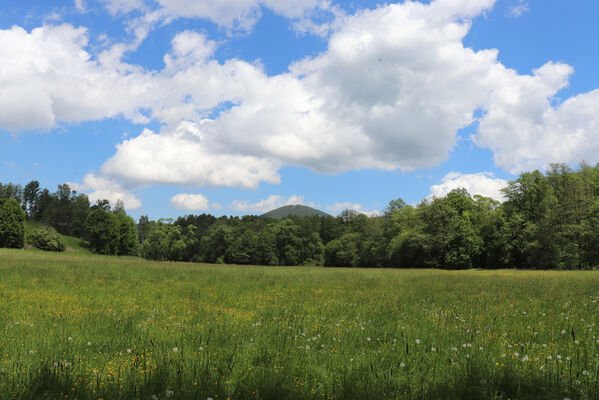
(90, 327)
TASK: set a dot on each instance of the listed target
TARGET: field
(77, 326)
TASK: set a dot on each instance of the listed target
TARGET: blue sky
(239, 106)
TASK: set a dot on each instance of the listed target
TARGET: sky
(235, 107)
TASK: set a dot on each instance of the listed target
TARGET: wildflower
(129, 351)
(351, 359)
(70, 338)
(516, 354)
(89, 343)
(433, 349)
(154, 397)
(307, 347)
(568, 358)
(175, 349)
(417, 341)
(168, 393)
(368, 339)
(563, 331)
(481, 348)
(31, 351)
(576, 341)
(454, 348)
(549, 358)
(525, 358)
(585, 372)
(402, 365)
(558, 357)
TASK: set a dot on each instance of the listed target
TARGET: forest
(549, 220)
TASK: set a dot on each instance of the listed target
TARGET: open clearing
(88, 327)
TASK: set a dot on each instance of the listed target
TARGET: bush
(46, 238)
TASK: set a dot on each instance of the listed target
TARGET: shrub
(46, 238)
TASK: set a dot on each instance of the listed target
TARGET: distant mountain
(293, 211)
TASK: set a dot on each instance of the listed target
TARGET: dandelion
(585, 372)
(129, 351)
(307, 347)
(563, 331)
(454, 348)
(525, 358)
(368, 339)
(516, 354)
(549, 358)
(433, 349)
(89, 343)
(417, 341)
(558, 357)
(154, 397)
(31, 351)
(168, 393)
(402, 365)
(481, 348)
(568, 358)
(576, 341)
(70, 339)
(175, 349)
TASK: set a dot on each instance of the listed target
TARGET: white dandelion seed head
(402, 365)
(585, 372)
(89, 343)
(175, 349)
(516, 354)
(417, 341)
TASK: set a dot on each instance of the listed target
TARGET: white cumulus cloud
(102, 188)
(482, 183)
(190, 202)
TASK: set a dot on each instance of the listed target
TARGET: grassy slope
(256, 332)
(73, 245)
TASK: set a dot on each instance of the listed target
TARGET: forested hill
(293, 211)
(548, 220)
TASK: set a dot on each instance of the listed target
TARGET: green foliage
(46, 238)
(12, 219)
(101, 231)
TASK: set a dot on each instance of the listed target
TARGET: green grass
(90, 327)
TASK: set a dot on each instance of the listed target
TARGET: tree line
(548, 220)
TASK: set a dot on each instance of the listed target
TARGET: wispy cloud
(518, 9)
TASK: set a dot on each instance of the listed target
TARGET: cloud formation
(482, 183)
(190, 202)
(391, 90)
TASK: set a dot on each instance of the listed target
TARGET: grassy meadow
(78, 326)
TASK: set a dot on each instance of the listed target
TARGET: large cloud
(46, 76)
(525, 130)
(382, 96)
